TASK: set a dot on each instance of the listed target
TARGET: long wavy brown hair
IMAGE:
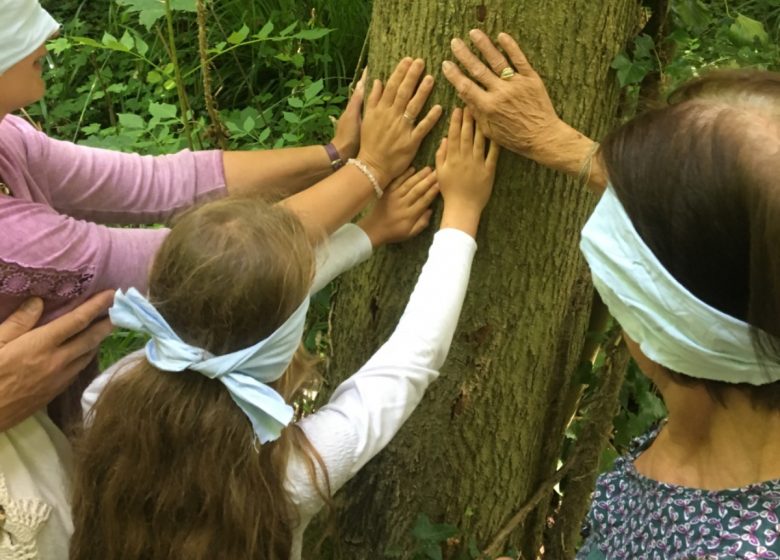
(169, 466)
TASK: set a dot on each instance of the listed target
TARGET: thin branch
(217, 131)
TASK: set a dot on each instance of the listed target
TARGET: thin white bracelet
(367, 172)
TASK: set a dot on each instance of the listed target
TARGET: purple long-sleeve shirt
(51, 243)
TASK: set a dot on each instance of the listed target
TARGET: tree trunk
(489, 431)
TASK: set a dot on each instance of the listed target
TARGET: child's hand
(404, 210)
(465, 173)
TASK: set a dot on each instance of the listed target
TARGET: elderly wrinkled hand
(508, 99)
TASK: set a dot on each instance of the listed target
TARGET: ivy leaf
(426, 531)
(630, 71)
(745, 31)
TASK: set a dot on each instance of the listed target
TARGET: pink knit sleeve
(118, 188)
(65, 260)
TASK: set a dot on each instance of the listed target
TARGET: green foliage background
(126, 76)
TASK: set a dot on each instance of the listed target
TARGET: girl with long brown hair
(192, 451)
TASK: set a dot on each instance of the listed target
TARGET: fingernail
(32, 304)
(455, 42)
(502, 35)
(446, 65)
(472, 33)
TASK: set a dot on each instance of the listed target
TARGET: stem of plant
(180, 89)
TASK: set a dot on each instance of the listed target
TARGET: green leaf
(149, 11)
(295, 102)
(424, 530)
(289, 29)
(249, 124)
(312, 34)
(265, 31)
(630, 71)
(693, 13)
(127, 40)
(129, 120)
(162, 111)
(310, 92)
(746, 31)
(140, 45)
(291, 118)
(154, 77)
(238, 36)
(643, 47)
(87, 41)
(116, 88)
(111, 42)
(58, 45)
(264, 135)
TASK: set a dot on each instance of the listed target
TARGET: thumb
(21, 321)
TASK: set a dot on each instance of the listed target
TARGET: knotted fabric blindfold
(672, 326)
(24, 26)
(245, 373)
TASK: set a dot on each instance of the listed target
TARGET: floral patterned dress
(632, 516)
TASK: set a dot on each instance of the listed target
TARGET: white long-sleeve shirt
(368, 409)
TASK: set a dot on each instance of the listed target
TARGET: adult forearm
(332, 202)
(570, 151)
(280, 172)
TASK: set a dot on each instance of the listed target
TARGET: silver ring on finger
(507, 73)
(409, 118)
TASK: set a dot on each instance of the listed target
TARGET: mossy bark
(490, 429)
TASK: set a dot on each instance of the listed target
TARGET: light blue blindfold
(672, 326)
(245, 373)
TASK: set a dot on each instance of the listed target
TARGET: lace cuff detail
(47, 283)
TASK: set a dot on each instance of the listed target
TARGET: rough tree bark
(489, 430)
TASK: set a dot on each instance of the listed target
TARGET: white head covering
(672, 326)
(24, 26)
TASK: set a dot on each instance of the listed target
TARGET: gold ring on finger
(409, 118)
(507, 73)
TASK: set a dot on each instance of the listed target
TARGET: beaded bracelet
(367, 172)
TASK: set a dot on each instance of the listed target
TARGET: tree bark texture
(490, 429)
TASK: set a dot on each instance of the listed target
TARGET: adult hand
(347, 137)
(515, 112)
(390, 135)
(37, 364)
(466, 173)
(404, 211)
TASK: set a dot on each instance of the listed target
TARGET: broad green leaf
(238, 36)
(154, 77)
(424, 530)
(289, 29)
(162, 111)
(127, 40)
(58, 45)
(643, 46)
(264, 135)
(140, 45)
(265, 31)
(694, 14)
(745, 31)
(87, 41)
(295, 102)
(312, 34)
(291, 118)
(111, 42)
(129, 120)
(310, 92)
(149, 11)
(249, 124)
